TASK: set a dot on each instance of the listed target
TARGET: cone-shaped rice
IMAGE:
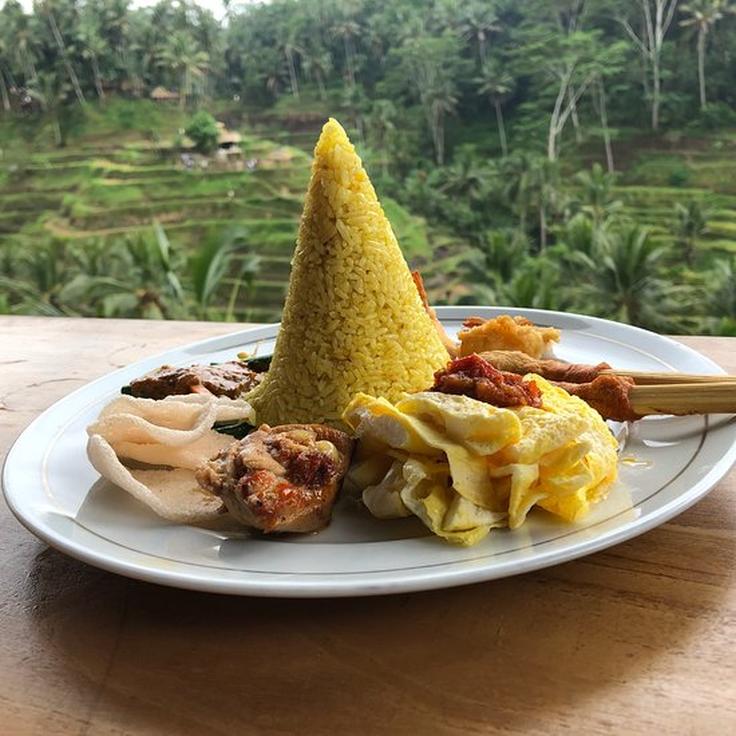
(353, 320)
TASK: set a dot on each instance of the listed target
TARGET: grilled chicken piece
(281, 479)
(224, 379)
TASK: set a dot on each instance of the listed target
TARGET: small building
(161, 94)
(228, 139)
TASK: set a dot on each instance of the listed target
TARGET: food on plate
(475, 377)
(506, 333)
(261, 438)
(447, 341)
(221, 379)
(514, 361)
(353, 320)
(608, 395)
(463, 466)
(151, 449)
(281, 479)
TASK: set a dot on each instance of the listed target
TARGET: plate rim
(355, 584)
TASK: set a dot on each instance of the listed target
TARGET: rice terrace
(160, 172)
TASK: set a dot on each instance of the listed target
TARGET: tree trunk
(320, 85)
(482, 48)
(292, 72)
(655, 93)
(349, 60)
(4, 92)
(604, 126)
(438, 135)
(62, 50)
(98, 80)
(701, 65)
(58, 135)
(574, 115)
(542, 226)
(501, 127)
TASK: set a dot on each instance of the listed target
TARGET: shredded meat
(475, 377)
(225, 379)
(515, 361)
(608, 395)
(281, 479)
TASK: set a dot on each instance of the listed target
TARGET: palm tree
(317, 63)
(51, 90)
(496, 83)
(3, 85)
(704, 14)
(517, 171)
(478, 21)
(132, 277)
(381, 126)
(691, 223)
(348, 29)
(439, 100)
(722, 296)
(182, 57)
(48, 7)
(596, 193)
(32, 277)
(626, 281)
(546, 194)
(208, 269)
(94, 47)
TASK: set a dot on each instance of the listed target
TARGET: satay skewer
(648, 378)
(682, 399)
(516, 362)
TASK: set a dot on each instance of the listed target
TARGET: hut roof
(161, 93)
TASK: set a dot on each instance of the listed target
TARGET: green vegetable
(237, 428)
(259, 365)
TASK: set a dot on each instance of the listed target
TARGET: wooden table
(637, 640)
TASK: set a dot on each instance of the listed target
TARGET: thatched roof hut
(161, 94)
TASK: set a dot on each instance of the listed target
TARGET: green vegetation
(203, 131)
(568, 154)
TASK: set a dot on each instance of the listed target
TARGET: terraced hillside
(109, 191)
(701, 171)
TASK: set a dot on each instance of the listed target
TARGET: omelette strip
(463, 466)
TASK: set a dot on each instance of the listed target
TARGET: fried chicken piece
(515, 361)
(505, 333)
(444, 337)
(475, 377)
(224, 379)
(281, 479)
(608, 395)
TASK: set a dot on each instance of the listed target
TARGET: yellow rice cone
(352, 320)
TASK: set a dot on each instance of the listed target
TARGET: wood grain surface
(640, 639)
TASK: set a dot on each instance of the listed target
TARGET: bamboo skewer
(680, 399)
(647, 378)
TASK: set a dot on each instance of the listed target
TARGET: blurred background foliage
(574, 155)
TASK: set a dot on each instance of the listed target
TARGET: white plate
(667, 465)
